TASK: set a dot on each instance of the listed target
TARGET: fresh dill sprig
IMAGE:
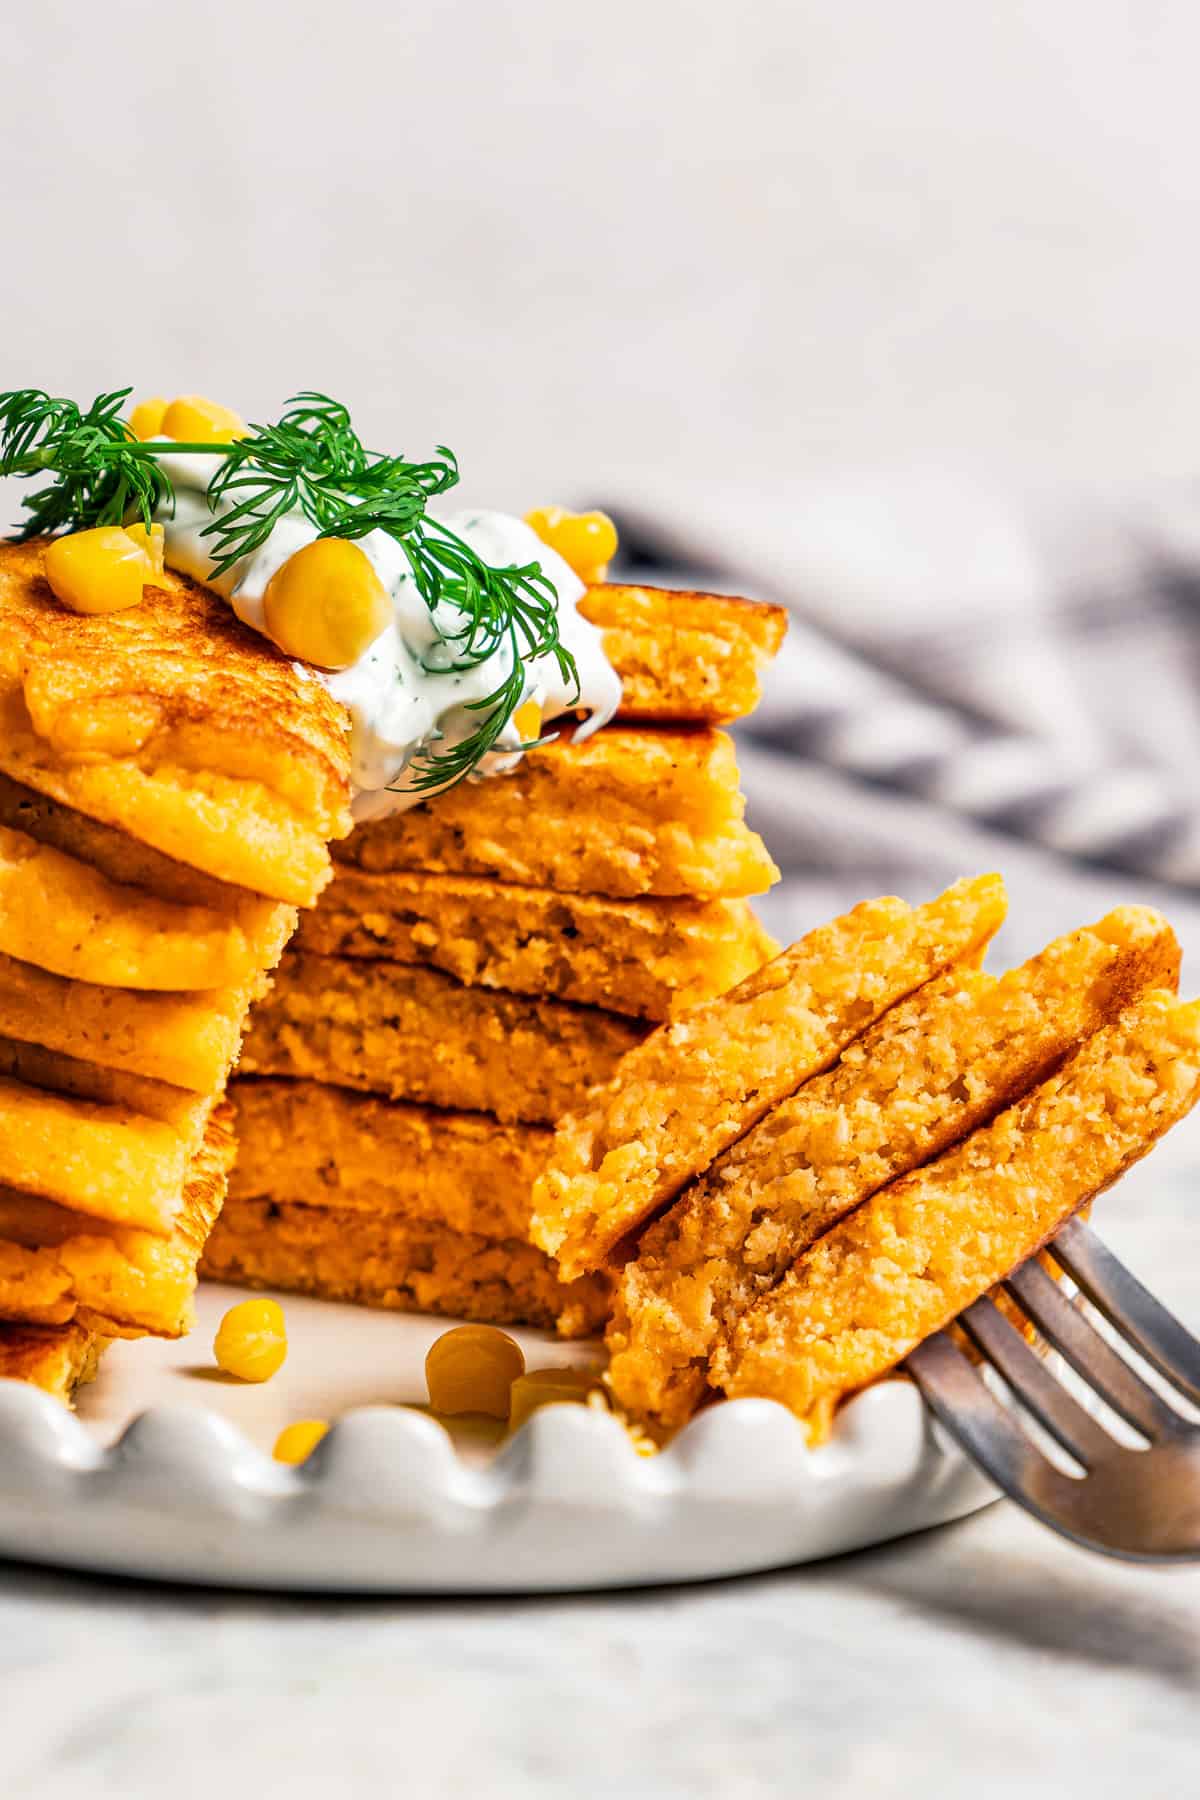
(311, 461)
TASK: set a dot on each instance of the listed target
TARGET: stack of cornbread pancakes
(478, 964)
(168, 786)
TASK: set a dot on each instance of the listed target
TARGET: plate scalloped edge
(387, 1505)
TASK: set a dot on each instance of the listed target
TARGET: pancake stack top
(478, 964)
(168, 786)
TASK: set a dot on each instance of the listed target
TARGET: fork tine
(1033, 1384)
(958, 1396)
(1133, 1311)
(1089, 1355)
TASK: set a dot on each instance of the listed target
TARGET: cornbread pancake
(916, 1253)
(416, 1034)
(698, 1083)
(59, 1359)
(136, 865)
(935, 1067)
(189, 1041)
(59, 1266)
(175, 723)
(405, 1265)
(186, 1113)
(312, 1145)
(106, 1161)
(624, 813)
(649, 958)
(65, 916)
(683, 655)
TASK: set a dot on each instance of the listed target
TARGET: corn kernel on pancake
(917, 1252)
(624, 813)
(404, 1265)
(186, 1040)
(312, 1145)
(106, 1161)
(696, 1084)
(185, 1112)
(175, 723)
(682, 655)
(648, 958)
(58, 1266)
(415, 1034)
(65, 916)
(59, 1359)
(932, 1069)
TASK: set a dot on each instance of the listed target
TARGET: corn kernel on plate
(167, 1472)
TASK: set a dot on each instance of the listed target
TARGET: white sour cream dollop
(398, 698)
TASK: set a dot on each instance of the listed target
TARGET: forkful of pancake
(795, 1185)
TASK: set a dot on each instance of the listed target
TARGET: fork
(1138, 1503)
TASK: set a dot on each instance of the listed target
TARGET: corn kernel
(191, 419)
(251, 1341)
(153, 543)
(296, 1443)
(548, 1387)
(472, 1369)
(326, 605)
(587, 541)
(527, 721)
(146, 419)
(98, 571)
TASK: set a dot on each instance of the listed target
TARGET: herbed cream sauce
(398, 698)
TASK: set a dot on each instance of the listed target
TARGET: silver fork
(1142, 1504)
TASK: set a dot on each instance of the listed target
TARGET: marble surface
(984, 1659)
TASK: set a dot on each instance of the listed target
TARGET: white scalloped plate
(166, 1472)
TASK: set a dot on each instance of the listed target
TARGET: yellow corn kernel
(587, 541)
(251, 1341)
(152, 543)
(548, 1387)
(296, 1443)
(472, 1369)
(326, 605)
(146, 419)
(527, 721)
(191, 419)
(98, 571)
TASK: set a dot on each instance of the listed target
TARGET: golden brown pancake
(683, 655)
(624, 813)
(415, 1034)
(698, 1083)
(649, 958)
(907, 1261)
(406, 1265)
(59, 1359)
(934, 1068)
(309, 1144)
(175, 723)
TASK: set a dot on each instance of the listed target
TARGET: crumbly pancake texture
(683, 655)
(916, 1253)
(59, 1359)
(623, 813)
(405, 1265)
(186, 1040)
(312, 1145)
(175, 723)
(697, 1084)
(65, 916)
(650, 958)
(58, 1266)
(934, 1068)
(415, 1034)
